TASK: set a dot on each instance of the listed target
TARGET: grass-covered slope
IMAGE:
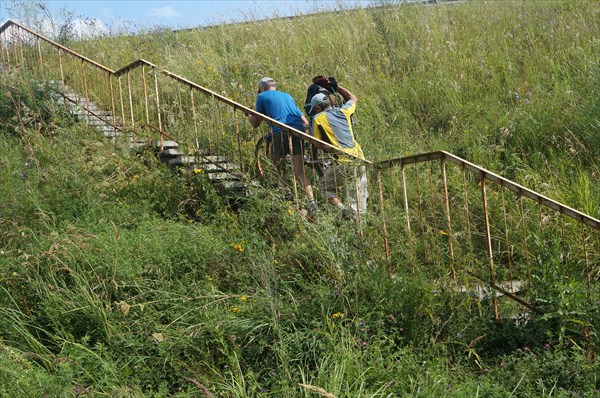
(512, 86)
(121, 278)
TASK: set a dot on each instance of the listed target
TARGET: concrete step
(217, 169)
(486, 292)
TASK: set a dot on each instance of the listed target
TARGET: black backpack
(321, 85)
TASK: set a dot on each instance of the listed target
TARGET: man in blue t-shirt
(282, 107)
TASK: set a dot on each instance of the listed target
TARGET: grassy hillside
(512, 86)
(121, 278)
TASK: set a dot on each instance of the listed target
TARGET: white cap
(317, 99)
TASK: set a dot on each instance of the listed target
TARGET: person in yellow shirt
(346, 175)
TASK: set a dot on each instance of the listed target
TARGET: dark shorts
(280, 144)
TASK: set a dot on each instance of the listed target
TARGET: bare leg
(299, 175)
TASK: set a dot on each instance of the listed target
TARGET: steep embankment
(515, 91)
(120, 278)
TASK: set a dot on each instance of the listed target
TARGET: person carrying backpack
(282, 107)
(346, 175)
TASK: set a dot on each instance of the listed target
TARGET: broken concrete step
(213, 168)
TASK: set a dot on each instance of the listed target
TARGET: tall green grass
(121, 278)
(511, 86)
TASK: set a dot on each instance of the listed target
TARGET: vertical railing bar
(158, 110)
(420, 212)
(239, 141)
(180, 103)
(121, 101)
(562, 237)
(16, 58)
(14, 49)
(448, 219)
(405, 197)
(130, 102)
(146, 103)
(541, 218)
(232, 137)
(20, 41)
(41, 59)
(488, 238)
(212, 144)
(524, 233)
(294, 182)
(469, 234)
(507, 240)
(324, 181)
(370, 198)
(112, 103)
(195, 121)
(87, 96)
(586, 259)
(63, 87)
(218, 133)
(433, 208)
(382, 205)
(2, 48)
(8, 43)
(356, 180)
(313, 168)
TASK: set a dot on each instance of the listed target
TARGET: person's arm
(304, 122)
(348, 96)
(254, 120)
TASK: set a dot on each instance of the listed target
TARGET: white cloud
(84, 28)
(165, 12)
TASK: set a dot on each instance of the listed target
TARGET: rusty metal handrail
(141, 62)
(480, 171)
(401, 161)
(237, 105)
(10, 23)
(482, 176)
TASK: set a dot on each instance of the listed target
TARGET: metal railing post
(507, 241)
(112, 104)
(405, 198)
(41, 59)
(239, 142)
(448, 220)
(121, 100)
(20, 41)
(87, 98)
(488, 239)
(526, 247)
(383, 223)
(158, 109)
(2, 45)
(146, 102)
(194, 120)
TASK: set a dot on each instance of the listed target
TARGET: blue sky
(175, 13)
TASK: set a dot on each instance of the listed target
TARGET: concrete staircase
(223, 173)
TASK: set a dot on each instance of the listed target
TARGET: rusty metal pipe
(488, 239)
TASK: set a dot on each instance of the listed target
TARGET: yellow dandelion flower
(337, 315)
(198, 171)
(442, 232)
(275, 262)
(233, 309)
(238, 247)
(243, 298)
